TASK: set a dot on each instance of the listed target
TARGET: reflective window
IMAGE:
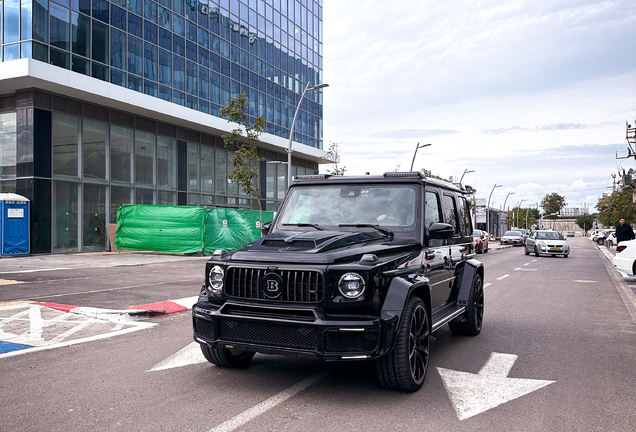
(450, 212)
(220, 171)
(145, 149)
(150, 61)
(166, 163)
(207, 169)
(41, 20)
(121, 148)
(7, 145)
(193, 167)
(60, 27)
(94, 217)
(65, 216)
(117, 49)
(94, 139)
(144, 196)
(166, 198)
(80, 30)
(12, 20)
(100, 42)
(165, 67)
(431, 213)
(119, 195)
(135, 50)
(65, 144)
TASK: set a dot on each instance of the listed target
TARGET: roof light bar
(404, 174)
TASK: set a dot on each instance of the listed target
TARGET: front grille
(204, 328)
(343, 342)
(269, 334)
(304, 286)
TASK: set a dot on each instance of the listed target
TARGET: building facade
(110, 103)
(573, 211)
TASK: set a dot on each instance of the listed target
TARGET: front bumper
(553, 250)
(292, 331)
(512, 242)
(624, 265)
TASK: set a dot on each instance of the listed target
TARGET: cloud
(543, 128)
(416, 133)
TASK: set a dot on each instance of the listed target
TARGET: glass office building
(104, 103)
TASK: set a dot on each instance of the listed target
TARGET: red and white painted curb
(133, 312)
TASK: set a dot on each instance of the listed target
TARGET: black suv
(351, 268)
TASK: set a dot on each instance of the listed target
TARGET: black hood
(320, 246)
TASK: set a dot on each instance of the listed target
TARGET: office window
(165, 67)
(41, 20)
(60, 27)
(166, 163)
(150, 61)
(94, 139)
(117, 49)
(7, 145)
(220, 171)
(145, 151)
(193, 167)
(12, 20)
(99, 42)
(135, 50)
(207, 169)
(121, 149)
(65, 144)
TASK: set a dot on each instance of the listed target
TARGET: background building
(108, 103)
(573, 211)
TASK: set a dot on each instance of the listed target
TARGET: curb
(132, 313)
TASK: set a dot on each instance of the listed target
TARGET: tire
(486, 250)
(470, 323)
(565, 255)
(536, 251)
(225, 358)
(525, 250)
(405, 367)
(600, 241)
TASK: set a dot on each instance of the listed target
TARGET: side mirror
(441, 231)
(265, 228)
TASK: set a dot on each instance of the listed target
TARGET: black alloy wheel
(405, 367)
(470, 323)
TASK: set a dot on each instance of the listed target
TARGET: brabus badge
(272, 285)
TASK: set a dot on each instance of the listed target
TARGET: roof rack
(312, 176)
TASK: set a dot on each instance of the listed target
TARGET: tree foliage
(333, 158)
(533, 215)
(242, 140)
(585, 221)
(616, 206)
(553, 203)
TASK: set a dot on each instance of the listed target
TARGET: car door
(437, 252)
(530, 242)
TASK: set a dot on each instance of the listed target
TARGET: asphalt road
(561, 329)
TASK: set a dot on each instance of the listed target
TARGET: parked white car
(625, 258)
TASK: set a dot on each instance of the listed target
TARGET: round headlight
(351, 285)
(215, 278)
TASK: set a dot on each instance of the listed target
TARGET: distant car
(524, 233)
(481, 241)
(571, 234)
(625, 258)
(546, 242)
(600, 235)
(513, 237)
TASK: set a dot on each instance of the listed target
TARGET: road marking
(189, 355)
(267, 404)
(534, 260)
(472, 394)
(503, 277)
(526, 264)
(9, 282)
(37, 270)
(486, 285)
(585, 281)
(37, 324)
(522, 269)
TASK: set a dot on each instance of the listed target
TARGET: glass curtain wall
(193, 53)
(7, 146)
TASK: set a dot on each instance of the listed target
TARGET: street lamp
(504, 207)
(291, 133)
(418, 147)
(519, 208)
(488, 209)
(466, 171)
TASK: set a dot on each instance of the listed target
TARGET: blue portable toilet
(14, 224)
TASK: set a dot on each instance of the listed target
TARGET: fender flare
(465, 279)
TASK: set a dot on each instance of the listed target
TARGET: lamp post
(291, 132)
(466, 171)
(488, 209)
(418, 147)
(504, 207)
(518, 209)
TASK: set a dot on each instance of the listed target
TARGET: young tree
(619, 204)
(246, 160)
(585, 221)
(553, 203)
(333, 158)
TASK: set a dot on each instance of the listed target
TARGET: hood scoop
(297, 243)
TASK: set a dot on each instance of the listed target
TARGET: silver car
(546, 242)
(512, 237)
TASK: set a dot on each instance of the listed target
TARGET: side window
(431, 212)
(464, 217)
(450, 212)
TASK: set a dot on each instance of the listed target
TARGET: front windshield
(476, 233)
(549, 236)
(512, 234)
(333, 205)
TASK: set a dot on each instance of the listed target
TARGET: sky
(531, 95)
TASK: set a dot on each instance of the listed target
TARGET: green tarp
(180, 229)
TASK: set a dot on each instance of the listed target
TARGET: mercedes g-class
(350, 269)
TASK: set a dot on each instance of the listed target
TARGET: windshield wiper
(318, 227)
(386, 232)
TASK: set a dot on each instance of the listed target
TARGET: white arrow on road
(472, 394)
(189, 355)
